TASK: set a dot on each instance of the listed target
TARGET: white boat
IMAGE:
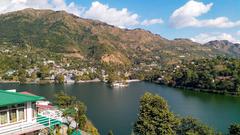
(119, 84)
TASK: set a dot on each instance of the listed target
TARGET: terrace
(19, 114)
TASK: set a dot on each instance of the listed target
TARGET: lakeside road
(9, 81)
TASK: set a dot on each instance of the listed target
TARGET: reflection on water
(116, 109)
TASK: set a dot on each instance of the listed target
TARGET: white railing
(37, 123)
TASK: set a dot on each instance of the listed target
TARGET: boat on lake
(119, 84)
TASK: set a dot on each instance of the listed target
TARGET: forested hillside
(74, 37)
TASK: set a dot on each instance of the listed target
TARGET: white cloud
(14, 5)
(113, 16)
(206, 37)
(186, 16)
(152, 22)
(117, 17)
(19, 1)
(238, 33)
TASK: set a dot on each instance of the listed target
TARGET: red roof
(45, 106)
(27, 93)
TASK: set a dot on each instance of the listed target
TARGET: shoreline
(133, 80)
(2, 82)
(211, 91)
(88, 81)
(52, 82)
(208, 91)
(218, 92)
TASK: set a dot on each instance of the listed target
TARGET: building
(19, 114)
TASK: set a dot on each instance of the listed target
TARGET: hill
(225, 46)
(83, 39)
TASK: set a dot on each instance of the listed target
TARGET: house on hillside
(19, 114)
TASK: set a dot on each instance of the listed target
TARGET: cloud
(238, 33)
(152, 22)
(118, 17)
(113, 16)
(186, 16)
(14, 5)
(206, 37)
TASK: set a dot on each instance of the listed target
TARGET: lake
(116, 109)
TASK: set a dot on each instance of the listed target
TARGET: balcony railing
(38, 123)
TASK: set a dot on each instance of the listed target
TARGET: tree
(238, 89)
(190, 126)
(80, 116)
(110, 132)
(44, 71)
(22, 75)
(60, 79)
(90, 128)
(63, 100)
(33, 76)
(234, 129)
(113, 76)
(154, 117)
(77, 110)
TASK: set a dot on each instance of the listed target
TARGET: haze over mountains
(61, 32)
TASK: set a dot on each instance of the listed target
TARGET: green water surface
(116, 109)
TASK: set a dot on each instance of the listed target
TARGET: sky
(198, 20)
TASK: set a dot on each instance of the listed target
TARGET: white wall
(29, 111)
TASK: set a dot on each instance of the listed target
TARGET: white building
(19, 114)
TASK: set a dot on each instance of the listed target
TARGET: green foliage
(81, 114)
(44, 71)
(72, 108)
(33, 76)
(86, 76)
(22, 75)
(60, 78)
(110, 132)
(63, 100)
(60, 32)
(90, 128)
(77, 110)
(234, 129)
(113, 76)
(190, 126)
(219, 75)
(154, 117)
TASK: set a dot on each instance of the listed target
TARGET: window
(3, 117)
(34, 110)
(21, 114)
(13, 115)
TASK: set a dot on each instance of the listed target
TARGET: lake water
(117, 109)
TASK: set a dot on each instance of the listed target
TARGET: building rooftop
(9, 98)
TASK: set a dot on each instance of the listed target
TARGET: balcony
(38, 123)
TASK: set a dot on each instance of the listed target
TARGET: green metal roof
(9, 98)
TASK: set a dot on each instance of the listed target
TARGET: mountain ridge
(61, 32)
(225, 46)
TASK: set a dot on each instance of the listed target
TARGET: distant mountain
(225, 46)
(84, 39)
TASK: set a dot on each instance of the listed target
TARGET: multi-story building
(19, 114)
